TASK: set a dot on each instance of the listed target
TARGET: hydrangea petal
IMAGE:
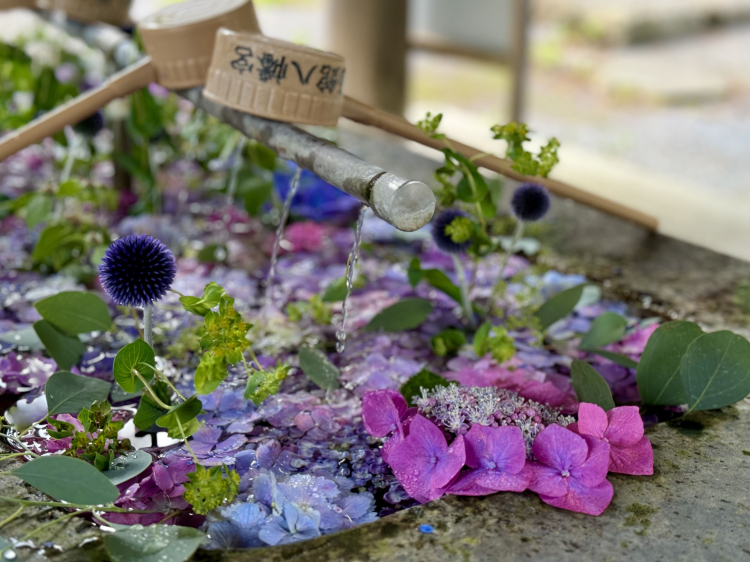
(625, 426)
(592, 420)
(482, 482)
(637, 459)
(547, 481)
(382, 411)
(580, 498)
(595, 469)
(557, 447)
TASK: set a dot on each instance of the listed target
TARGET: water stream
(268, 297)
(350, 265)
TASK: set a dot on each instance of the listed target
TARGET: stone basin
(695, 507)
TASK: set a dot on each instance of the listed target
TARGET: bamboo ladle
(179, 40)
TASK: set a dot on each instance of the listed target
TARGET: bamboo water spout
(405, 204)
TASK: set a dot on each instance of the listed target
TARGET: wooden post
(371, 35)
(521, 20)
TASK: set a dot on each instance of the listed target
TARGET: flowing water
(279, 236)
(350, 264)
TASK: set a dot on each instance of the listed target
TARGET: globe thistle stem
(148, 324)
(517, 233)
(70, 158)
(464, 287)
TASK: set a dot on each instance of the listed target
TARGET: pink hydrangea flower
(630, 451)
(497, 458)
(571, 471)
(306, 236)
(424, 463)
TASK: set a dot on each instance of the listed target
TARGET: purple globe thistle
(91, 125)
(530, 202)
(452, 230)
(137, 270)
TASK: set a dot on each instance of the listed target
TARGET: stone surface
(695, 507)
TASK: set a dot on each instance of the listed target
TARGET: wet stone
(695, 507)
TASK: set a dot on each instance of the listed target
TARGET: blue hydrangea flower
(137, 270)
(530, 202)
(240, 526)
(293, 525)
(316, 200)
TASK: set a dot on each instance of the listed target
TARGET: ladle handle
(125, 82)
(363, 113)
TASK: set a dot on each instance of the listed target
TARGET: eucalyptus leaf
(37, 210)
(64, 349)
(68, 479)
(559, 306)
(658, 377)
(69, 394)
(590, 386)
(318, 368)
(336, 290)
(155, 543)
(605, 329)
(404, 315)
(423, 379)
(128, 360)
(128, 466)
(617, 358)
(75, 312)
(715, 371)
(25, 337)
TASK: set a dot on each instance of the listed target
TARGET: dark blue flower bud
(530, 202)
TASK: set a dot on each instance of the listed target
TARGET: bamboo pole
(366, 115)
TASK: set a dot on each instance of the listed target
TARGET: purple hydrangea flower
(423, 461)
(137, 270)
(571, 471)
(497, 458)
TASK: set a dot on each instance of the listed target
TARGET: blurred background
(649, 98)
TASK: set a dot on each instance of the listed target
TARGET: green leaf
(336, 291)
(69, 394)
(414, 273)
(318, 368)
(559, 306)
(423, 379)
(75, 312)
(617, 358)
(184, 412)
(156, 543)
(49, 241)
(68, 479)
(448, 342)
(658, 377)
(201, 306)
(64, 349)
(590, 386)
(480, 338)
(26, 337)
(209, 374)
(442, 282)
(148, 412)
(128, 360)
(127, 466)
(715, 371)
(37, 210)
(605, 329)
(255, 191)
(404, 315)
